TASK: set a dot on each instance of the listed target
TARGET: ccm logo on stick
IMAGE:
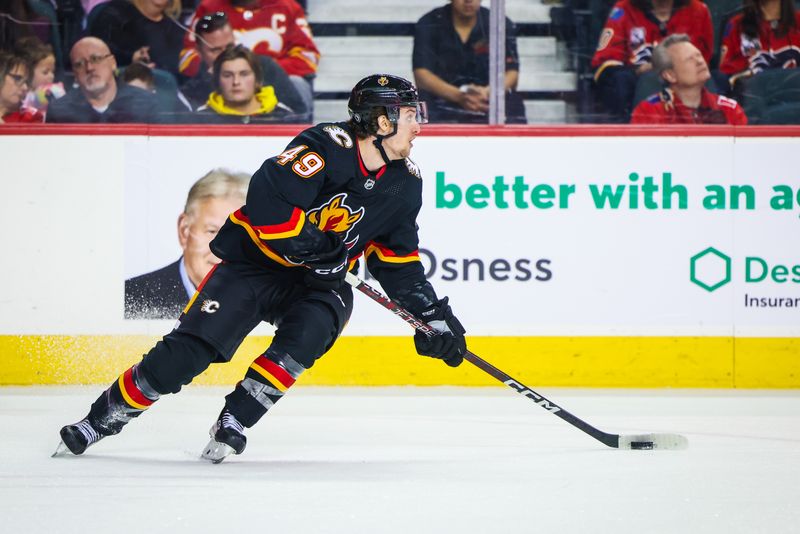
(525, 392)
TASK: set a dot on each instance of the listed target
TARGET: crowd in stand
(254, 61)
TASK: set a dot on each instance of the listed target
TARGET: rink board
(702, 362)
(658, 258)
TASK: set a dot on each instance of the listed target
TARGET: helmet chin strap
(378, 142)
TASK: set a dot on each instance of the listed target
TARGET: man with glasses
(14, 85)
(273, 28)
(213, 35)
(99, 98)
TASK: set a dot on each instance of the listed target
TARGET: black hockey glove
(449, 344)
(327, 270)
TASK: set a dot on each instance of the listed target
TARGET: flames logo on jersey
(336, 216)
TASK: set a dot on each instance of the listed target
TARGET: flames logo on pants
(336, 216)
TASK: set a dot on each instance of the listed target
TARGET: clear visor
(421, 107)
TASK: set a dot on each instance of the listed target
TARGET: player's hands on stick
(449, 343)
(328, 269)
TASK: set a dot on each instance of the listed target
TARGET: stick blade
(659, 442)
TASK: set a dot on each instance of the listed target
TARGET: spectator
(274, 28)
(42, 62)
(683, 68)
(626, 43)
(99, 98)
(239, 96)
(141, 76)
(18, 20)
(213, 34)
(451, 64)
(765, 36)
(141, 31)
(163, 293)
(13, 88)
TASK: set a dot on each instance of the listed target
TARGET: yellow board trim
(271, 379)
(685, 362)
(127, 397)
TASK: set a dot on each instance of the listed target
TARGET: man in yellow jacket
(239, 97)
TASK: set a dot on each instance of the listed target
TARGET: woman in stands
(766, 35)
(14, 83)
(140, 31)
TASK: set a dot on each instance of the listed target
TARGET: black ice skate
(227, 437)
(77, 438)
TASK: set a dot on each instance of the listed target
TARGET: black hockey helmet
(384, 90)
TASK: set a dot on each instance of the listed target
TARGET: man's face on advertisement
(197, 228)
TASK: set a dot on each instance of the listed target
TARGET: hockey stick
(617, 441)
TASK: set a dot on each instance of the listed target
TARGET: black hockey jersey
(320, 184)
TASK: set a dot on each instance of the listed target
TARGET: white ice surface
(409, 460)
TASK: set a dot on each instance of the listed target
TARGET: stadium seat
(721, 12)
(772, 97)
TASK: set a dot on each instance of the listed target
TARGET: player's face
(13, 88)
(210, 45)
(399, 145)
(688, 65)
(196, 230)
(237, 82)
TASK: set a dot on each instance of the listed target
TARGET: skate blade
(61, 450)
(215, 451)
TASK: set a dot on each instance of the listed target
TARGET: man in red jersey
(274, 28)
(633, 29)
(686, 100)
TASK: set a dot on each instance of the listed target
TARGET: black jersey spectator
(99, 98)
(213, 34)
(451, 64)
(141, 31)
(141, 76)
(240, 98)
(18, 20)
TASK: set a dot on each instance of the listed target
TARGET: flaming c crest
(336, 216)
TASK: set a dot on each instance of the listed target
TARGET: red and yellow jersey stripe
(387, 255)
(273, 373)
(255, 232)
(290, 228)
(132, 394)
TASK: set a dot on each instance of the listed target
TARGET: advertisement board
(658, 241)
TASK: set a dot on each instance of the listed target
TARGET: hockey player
(338, 192)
